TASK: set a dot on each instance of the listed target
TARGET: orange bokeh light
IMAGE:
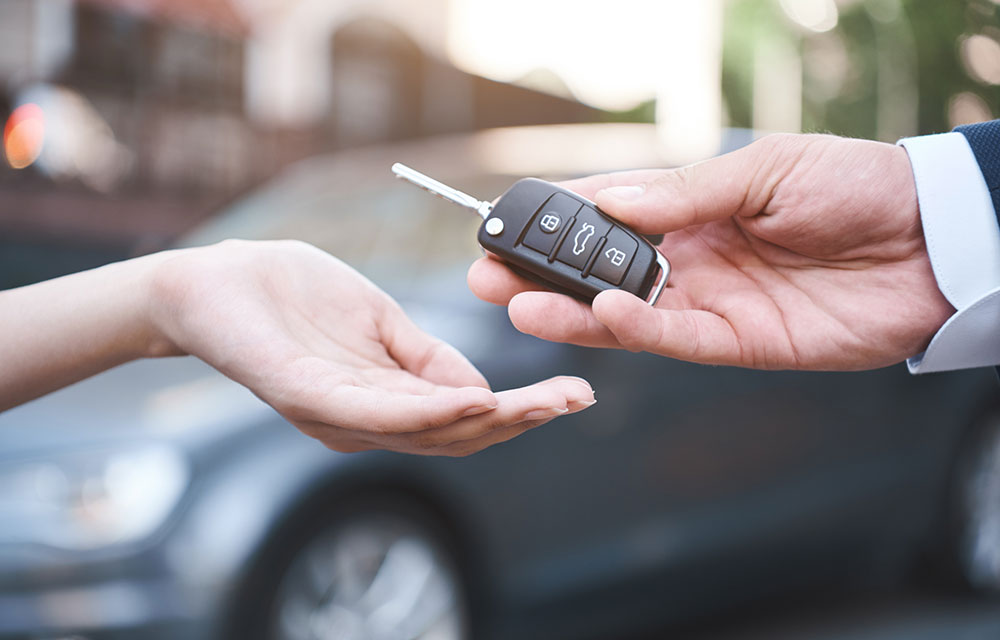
(24, 135)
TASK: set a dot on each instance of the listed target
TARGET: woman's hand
(307, 334)
(336, 356)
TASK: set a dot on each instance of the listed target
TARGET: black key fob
(560, 239)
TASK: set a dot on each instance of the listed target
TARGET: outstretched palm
(337, 357)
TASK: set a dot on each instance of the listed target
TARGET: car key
(559, 239)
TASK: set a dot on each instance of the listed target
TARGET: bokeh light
(815, 15)
(967, 108)
(24, 135)
(981, 57)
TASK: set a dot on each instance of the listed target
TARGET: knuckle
(676, 196)
(631, 341)
(773, 141)
(631, 338)
(693, 331)
(776, 150)
(435, 349)
(672, 181)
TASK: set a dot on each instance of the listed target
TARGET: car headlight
(92, 499)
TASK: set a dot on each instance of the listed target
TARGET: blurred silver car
(162, 500)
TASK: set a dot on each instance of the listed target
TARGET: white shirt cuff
(967, 340)
(963, 242)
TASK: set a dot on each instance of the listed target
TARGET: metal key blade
(442, 190)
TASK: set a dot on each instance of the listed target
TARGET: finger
(590, 185)
(558, 318)
(497, 436)
(517, 410)
(492, 281)
(738, 183)
(379, 412)
(693, 335)
(424, 355)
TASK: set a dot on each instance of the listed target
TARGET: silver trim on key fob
(664, 276)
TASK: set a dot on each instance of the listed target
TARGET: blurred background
(131, 126)
(129, 122)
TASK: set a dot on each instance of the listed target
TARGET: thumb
(671, 199)
(426, 356)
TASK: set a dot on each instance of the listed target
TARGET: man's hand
(335, 355)
(797, 252)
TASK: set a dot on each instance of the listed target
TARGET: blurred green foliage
(862, 77)
(936, 27)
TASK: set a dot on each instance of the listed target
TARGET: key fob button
(549, 222)
(579, 244)
(543, 231)
(615, 257)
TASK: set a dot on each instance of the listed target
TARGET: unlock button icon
(615, 257)
(549, 222)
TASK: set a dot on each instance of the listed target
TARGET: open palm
(800, 252)
(336, 356)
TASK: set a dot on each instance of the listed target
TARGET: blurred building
(157, 112)
(151, 114)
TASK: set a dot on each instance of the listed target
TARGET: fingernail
(541, 414)
(580, 405)
(626, 192)
(580, 381)
(475, 411)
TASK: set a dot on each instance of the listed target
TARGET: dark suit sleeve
(984, 138)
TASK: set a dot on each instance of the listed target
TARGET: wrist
(70, 328)
(161, 301)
